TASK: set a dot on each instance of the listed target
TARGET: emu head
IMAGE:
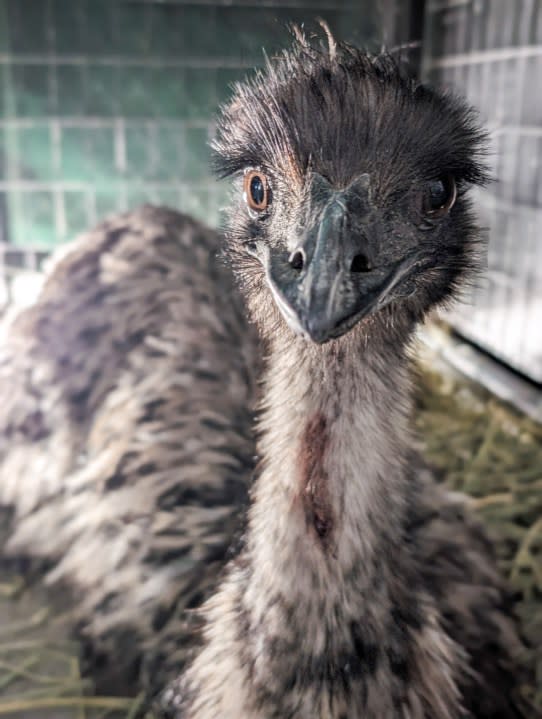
(350, 207)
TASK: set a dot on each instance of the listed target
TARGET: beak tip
(317, 331)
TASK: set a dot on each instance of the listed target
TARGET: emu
(360, 588)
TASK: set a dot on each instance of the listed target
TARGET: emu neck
(320, 614)
(334, 442)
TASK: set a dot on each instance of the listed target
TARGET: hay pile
(494, 454)
(478, 445)
(40, 676)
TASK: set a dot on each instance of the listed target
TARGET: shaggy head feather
(350, 125)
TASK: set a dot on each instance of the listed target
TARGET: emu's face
(350, 192)
(342, 253)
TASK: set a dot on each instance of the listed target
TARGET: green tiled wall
(105, 104)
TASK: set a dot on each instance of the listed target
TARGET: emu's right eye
(256, 190)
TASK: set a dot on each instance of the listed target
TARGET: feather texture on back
(125, 435)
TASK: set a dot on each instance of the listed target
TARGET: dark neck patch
(314, 481)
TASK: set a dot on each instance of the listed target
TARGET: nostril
(297, 260)
(360, 263)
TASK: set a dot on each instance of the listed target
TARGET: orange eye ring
(256, 190)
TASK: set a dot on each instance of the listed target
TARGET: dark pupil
(437, 194)
(257, 191)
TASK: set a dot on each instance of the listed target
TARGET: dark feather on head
(343, 127)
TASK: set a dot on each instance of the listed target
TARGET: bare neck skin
(305, 623)
(334, 439)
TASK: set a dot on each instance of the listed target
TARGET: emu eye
(439, 196)
(256, 190)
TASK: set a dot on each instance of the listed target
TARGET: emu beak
(328, 285)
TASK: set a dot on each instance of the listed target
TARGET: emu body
(361, 585)
(361, 588)
(126, 435)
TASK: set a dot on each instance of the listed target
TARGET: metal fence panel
(491, 50)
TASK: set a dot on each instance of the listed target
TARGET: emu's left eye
(256, 190)
(439, 196)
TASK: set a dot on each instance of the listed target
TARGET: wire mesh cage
(491, 51)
